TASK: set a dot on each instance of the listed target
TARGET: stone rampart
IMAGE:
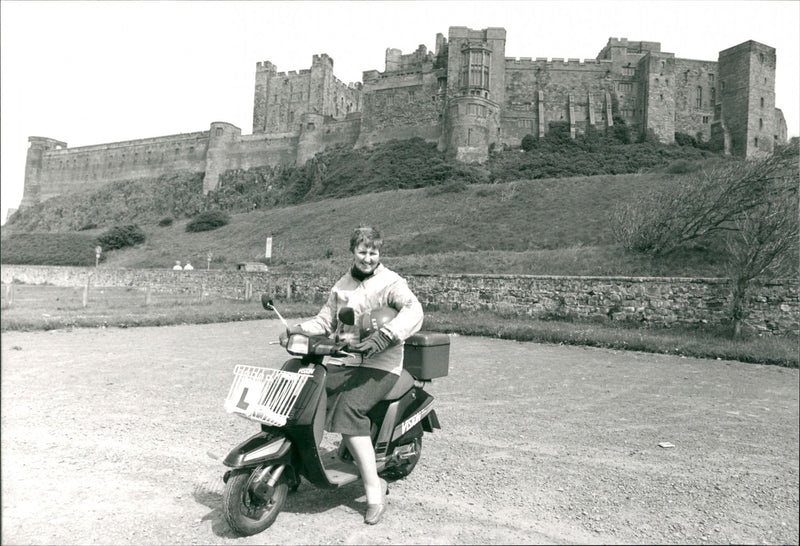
(658, 301)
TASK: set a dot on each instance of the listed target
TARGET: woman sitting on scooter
(353, 391)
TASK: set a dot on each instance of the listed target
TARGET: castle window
(713, 95)
(705, 120)
(699, 97)
(762, 102)
(761, 57)
(661, 96)
(755, 141)
(627, 71)
(475, 68)
(760, 123)
(218, 132)
(711, 78)
(625, 87)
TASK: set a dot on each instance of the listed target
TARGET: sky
(99, 72)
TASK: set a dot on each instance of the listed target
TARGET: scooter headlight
(297, 344)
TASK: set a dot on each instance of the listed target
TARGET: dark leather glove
(377, 342)
(283, 338)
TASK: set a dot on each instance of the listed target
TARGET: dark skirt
(352, 392)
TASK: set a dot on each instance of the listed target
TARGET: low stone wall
(775, 307)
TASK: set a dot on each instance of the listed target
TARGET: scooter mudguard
(260, 448)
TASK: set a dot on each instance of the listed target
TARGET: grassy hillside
(556, 226)
(536, 211)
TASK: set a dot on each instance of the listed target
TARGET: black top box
(426, 355)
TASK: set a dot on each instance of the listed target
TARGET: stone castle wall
(656, 301)
(466, 96)
(58, 170)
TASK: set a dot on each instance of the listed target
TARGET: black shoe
(375, 511)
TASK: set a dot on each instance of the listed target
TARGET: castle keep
(466, 96)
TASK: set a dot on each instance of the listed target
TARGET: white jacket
(383, 288)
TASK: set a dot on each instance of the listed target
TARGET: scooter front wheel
(247, 511)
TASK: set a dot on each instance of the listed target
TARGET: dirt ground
(108, 437)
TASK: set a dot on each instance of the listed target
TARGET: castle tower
(657, 82)
(31, 193)
(475, 90)
(320, 99)
(746, 107)
(264, 73)
(223, 139)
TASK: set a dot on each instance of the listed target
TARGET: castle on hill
(466, 96)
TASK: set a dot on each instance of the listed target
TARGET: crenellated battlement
(556, 63)
(322, 60)
(467, 97)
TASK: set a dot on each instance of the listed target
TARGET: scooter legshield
(260, 448)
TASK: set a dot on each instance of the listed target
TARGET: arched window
(699, 97)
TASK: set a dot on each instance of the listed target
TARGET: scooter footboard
(266, 446)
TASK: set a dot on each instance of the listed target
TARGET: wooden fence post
(288, 289)
(86, 291)
(10, 294)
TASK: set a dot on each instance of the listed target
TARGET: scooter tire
(245, 513)
(404, 469)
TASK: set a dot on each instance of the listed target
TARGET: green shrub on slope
(207, 221)
(121, 237)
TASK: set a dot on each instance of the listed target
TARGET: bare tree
(709, 202)
(764, 245)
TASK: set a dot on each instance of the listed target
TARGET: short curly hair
(368, 235)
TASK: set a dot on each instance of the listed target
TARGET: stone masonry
(775, 307)
(465, 96)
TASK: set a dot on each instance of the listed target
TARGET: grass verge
(690, 342)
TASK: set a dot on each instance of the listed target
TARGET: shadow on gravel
(211, 497)
(311, 500)
(306, 500)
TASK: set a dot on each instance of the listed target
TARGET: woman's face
(366, 258)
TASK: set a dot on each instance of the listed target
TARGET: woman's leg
(364, 454)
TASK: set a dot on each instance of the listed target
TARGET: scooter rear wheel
(246, 512)
(404, 468)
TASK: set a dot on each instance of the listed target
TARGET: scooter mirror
(347, 316)
(266, 303)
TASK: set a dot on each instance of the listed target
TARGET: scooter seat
(401, 386)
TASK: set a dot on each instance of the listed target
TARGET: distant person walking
(188, 267)
(177, 266)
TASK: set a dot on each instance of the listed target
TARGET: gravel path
(108, 437)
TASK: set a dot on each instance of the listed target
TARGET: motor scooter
(290, 403)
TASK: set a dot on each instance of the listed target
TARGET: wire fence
(47, 297)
